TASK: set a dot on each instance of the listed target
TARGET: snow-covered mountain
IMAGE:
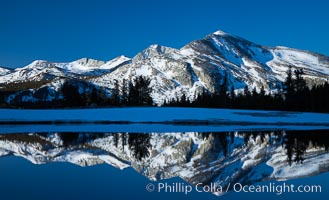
(198, 66)
(4, 71)
(216, 158)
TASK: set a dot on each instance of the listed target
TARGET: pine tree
(254, 92)
(139, 92)
(183, 100)
(94, 97)
(262, 91)
(223, 87)
(132, 94)
(246, 91)
(289, 90)
(139, 144)
(221, 98)
(115, 139)
(71, 95)
(299, 82)
(300, 99)
(115, 94)
(232, 97)
(123, 140)
(124, 94)
(288, 85)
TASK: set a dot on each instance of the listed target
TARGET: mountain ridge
(198, 66)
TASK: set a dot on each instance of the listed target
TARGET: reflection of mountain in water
(219, 158)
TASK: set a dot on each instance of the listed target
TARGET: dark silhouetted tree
(289, 89)
(71, 95)
(222, 100)
(116, 139)
(299, 82)
(139, 92)
(94, 97)
(139, 144)
(115, 98)
(246, 91)
(124, 93)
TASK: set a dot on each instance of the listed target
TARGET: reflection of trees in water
(224, 139)
(294, 142)
(71, 138)
(252, 135)
(297, 142)
(116, 139)
(139, 144)
(221, 140)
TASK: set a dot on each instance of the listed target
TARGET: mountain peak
(157, 48)
(118, 61)
(154, 46)
(36, 63)
(198, 66)
(153, 50)
(88, 62)
(123, 57)
(4, 71)
(220, 33)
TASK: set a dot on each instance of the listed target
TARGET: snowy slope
(4, 71)
(116, 62)
(199, 65)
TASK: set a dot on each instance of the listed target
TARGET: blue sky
(66, 30)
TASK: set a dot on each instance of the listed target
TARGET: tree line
(76, 93)
(293, 95)
(138, 143)
(133, 93)
(295, 143)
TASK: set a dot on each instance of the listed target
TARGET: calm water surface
(37, 165)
